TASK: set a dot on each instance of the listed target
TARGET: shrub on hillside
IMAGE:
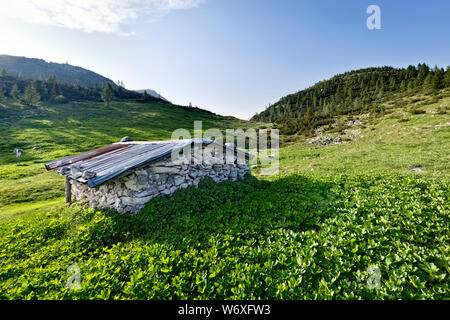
(60, 99)
(417, 111)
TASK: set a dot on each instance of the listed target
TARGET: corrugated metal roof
(120, 158)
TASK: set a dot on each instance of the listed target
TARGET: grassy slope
(72, 128)
(395, 141)
(304, 234)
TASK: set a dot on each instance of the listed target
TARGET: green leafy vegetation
(296, 237)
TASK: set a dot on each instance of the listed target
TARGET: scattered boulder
(325, 140)
(18, 152)
(352, 123)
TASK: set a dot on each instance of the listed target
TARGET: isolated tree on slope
(40, 87)
(2, 95)
(14, 91)
(31, 95)
(3, 73)
(107, 94)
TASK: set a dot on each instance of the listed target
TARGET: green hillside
(352, 92)
(32, 92)
(39, 69)
(364, 189)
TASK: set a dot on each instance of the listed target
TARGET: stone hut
(126, 175)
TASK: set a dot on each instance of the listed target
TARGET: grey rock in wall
(129, 194)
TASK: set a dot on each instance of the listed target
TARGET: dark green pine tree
(447, 77)
(374, 79)
(427, 83)
(107, 94)
(52, 79)
(423, 72)
(14, 91)
(41, 88)
(3, 73)
(411, 72)
(314, 101)
(436, 82)
(287, 108)
(349, 93)
(380, 86)
(392, 83)
(56, 89)
(308, 119)
(31, 96)
(297, 104)
(2, 95)
(272, 114)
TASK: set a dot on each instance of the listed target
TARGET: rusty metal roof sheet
(120, 158)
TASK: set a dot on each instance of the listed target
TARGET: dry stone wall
(132, 192)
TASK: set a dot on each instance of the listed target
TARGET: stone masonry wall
(132, 192)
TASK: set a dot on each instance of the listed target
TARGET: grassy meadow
(412, 132)
(315, 231)
(72, 128)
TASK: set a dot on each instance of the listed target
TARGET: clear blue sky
(233, 57)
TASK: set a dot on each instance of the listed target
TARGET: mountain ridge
(35, 68)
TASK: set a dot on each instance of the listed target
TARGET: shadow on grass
(248, 208)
